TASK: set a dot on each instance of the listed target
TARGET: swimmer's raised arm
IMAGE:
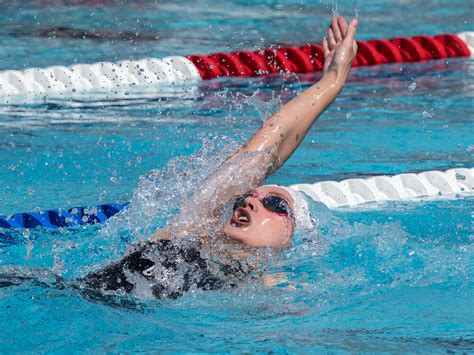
(282, 133)
(274, 143)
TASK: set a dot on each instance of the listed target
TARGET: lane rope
(67, 81)
(354, 192)
(346, 193)
(309, 58)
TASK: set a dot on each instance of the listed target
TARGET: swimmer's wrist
(335, 77)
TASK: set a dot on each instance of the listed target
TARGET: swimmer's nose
(250, 202)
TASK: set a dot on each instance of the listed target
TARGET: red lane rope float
(118, 79)
(309, 58)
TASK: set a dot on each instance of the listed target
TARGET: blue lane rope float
(57, 218)
(346, 193)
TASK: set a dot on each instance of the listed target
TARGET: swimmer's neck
(221, 245)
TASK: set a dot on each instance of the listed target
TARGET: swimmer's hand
(275, 142)
(281, 280)
(339, 47)
(273, 280)
(282, 133)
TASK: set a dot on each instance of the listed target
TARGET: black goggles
(272, 203)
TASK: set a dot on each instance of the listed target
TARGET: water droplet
(426, 114)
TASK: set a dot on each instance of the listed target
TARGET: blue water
(397, 278)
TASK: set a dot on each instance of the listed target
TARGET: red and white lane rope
(309, 58)
(80, 78)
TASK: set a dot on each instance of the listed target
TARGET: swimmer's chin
(230, 235)
(242, 236)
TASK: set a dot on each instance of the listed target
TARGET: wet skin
(254, 225)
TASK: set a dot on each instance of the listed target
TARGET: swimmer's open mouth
(240, 218)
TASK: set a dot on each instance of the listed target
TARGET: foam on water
(353, 257)
(330, 275)
(160, 195)
(337, 258)
(395, 279)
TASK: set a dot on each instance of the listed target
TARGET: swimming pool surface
(393, 278)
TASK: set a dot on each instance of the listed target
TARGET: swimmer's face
(255, 225)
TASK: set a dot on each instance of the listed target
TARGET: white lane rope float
(61, 81)
(409, 186)
(349, 193)
(117, 79)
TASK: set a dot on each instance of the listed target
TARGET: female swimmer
(202, 249)
(262, 216)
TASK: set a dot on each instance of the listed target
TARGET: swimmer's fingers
(336, 30)
(272, 280)
(325, 47)
(331, 40)
(351, 30)
(339, 46)
(327, 54)
(342, 26)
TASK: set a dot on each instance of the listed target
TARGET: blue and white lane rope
(60, 217)
(346, 193)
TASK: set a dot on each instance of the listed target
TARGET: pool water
(392, 277)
